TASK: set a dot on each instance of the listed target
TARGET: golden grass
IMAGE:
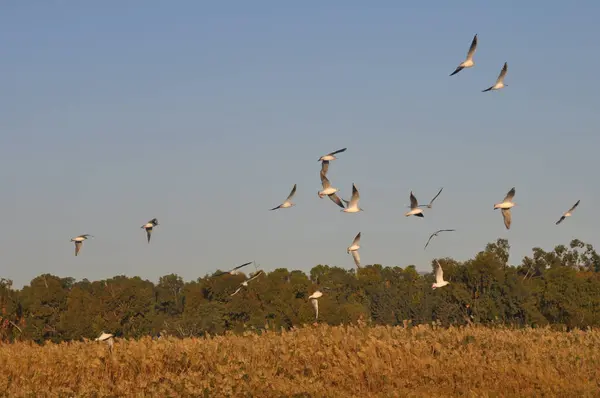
(323, 361)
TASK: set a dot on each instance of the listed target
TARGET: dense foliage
(561, 286)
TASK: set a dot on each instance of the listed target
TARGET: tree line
(561, 287)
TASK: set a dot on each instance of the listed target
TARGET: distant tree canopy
(561, 286)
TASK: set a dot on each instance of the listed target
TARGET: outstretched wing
(435, 197)
(429, 240)
(259, 273)
(356, 240)
(325, 181)
(439, 273)
(243, 265)
(336, 199)
(574, 206)
(356, 257)
(502, 74)
(291, 195)
(472, 48)
(355, 196)
(413, 201)
(324, 166)
(149, 233)
(507, 217)
(78, 247)
(236, 292)
(338, 151)
(510, 195)
(315, 304)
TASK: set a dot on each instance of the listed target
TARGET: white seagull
(352, 205)
(568, 213)
(108, 337)
(288, 201)
(245, 283)
(79, 241)
(467, 63)
(330, 191)
(234, 271)
(314, 300)
(331, 156)
(414, 207)
(500, 80)
(353, 248)
(436, 234)
(430, 205)
(439, 277)
(505, 206)
(148, 227)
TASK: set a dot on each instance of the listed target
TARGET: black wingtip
(419, 215)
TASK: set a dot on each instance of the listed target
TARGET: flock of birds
(352, 206)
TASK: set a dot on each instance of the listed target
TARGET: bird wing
(315, 304)
(356, 239)
(325, 181)
(338, 151)
(356, 257)
(472, 48)
(574, 206)
(336, 199)
(259, 273)
(458, 69)
(413, 201)
(428, 240)
(236, 292)
(502, 73)
(510, 195)
(292, 193)
(560, 220)
(275, 208)
(149, 233)
(78, 247)
(243, 265)
(435, 197)
(324, 166)
(439, 273)
(355, 196)
(507, 217)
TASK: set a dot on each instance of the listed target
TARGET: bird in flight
(328, 190)
(233, 271)
(352, 205)
(500, 80)
(436, 234)
(505, 206)
(414, 207)
(288, 201)
(245, 283)
(79, 241)
(569, 213)
(314, 300)
(434, 198)
(467, 63)
(331, 156)
(439, 277)
(148, 227)
(353, 248)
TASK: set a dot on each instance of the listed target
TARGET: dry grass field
(322, 361)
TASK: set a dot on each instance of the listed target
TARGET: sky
(205, 114)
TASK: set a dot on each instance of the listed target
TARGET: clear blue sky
(205, 115)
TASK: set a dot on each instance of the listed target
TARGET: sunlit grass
(322, 361)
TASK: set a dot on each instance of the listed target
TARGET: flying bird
(500, 80)
(79, 241)
(314, 300)
(414, 207)
(233, 271)
(353, 248)
(434, 198)
(467, 63)
(439, 277)
(288, 201)
(108, 337)
(328, 190)
(331, 156)
(505, 206)
(245, 283)
(352, 205)
(568, 213)
(436, 234)
(148, 227)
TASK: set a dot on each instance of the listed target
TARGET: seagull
(245, 283)
(500, 80)
(468, 63)
(436, 234)
(288, 201)
(329, 191)
(354, 249)
(439, 277)
(148, 227)
(233, 271)
(108, 337)
(568, 213)
(352, 205)
(331, 156)
(314, 299)
(505, 206)
(79, 241)
(414, 207)
(434, 198)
